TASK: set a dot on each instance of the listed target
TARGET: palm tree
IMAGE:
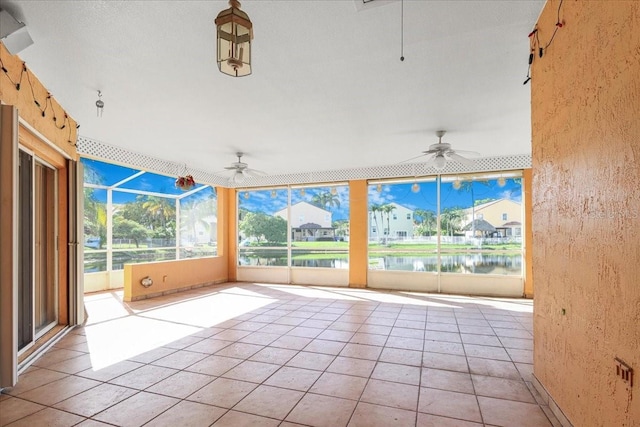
(326, 200)
(427, 218)
(375, 209)
(450, 218)
(387, 209)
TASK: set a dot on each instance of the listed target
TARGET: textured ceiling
(328, 89)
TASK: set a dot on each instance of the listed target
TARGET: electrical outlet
(624, 371)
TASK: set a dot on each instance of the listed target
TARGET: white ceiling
(328, 89)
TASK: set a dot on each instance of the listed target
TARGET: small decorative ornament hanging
(457, 184)
(333, 191)
(415, 188)
(379, 188)
(501, 181)
(185, 183)
(274, 194)
(100, 104)
(234, 35)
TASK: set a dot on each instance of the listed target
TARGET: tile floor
(244, 354)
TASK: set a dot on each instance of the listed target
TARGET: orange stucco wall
(586, 209)
(23, 99)
(358, 237)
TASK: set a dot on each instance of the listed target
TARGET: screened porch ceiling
(328, 93)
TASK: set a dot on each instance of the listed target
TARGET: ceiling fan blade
(430, 160)
(467, 153)
(458, 158)
(413, 158)
(254, 173)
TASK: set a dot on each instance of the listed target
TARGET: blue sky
(97, 172)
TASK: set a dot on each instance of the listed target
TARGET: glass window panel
(259, 256)
(409, 242)
(95, 261)
(122, 257)
(147, 221)
(199, 224)
(262, 218)
(319, 226)
(101, 173)
(155, 183)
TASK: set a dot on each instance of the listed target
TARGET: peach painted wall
(586, 209)
(171, 276)
(358, 238)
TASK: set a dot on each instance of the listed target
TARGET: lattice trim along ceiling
(98, 150)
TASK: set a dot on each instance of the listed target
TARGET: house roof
(327, 80)
(479, 225)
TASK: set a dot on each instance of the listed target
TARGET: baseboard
(548, 399)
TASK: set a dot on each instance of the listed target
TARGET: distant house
(308, 222)
(504, 215)
(400, 225)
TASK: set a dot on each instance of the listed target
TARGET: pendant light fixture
(234, 34)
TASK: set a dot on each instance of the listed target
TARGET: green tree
(375, 208)
(128, 229)
(95, 216)
(341, 226)
(194, 212)
(387, 209)
(427, 221)
(326, 200)
(450, 219)
(263, 226)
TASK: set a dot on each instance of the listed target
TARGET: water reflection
(477, 263)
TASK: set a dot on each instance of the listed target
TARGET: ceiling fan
(438, 154)
(241, 170)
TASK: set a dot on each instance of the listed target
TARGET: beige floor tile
(486, 352)
(368, 415)
(490, 340)
(520, 356)
(12, 409)
(325, 347)
(110, 372)
(151, 355)
(181, 359)
(143, 377)
(136, 410)
(294, 378)
(278, 356)
(513, 333)
(183, 342)
(397, 373)
(493, 368)
(260, 338)
(181, 384)
(48, 417)
(447, 380)
(444, 347)
(223, 392)
(34, 379)
(56, 355)
(187, 414)
(502, 388)
(241, 419)
(322, 411)
(339, 385)
(449, 404)
(509, 413)
(445, 361)
(442, 336)
(401, 356)
(375, 329)
(240, 350)
(95, 400)
(403, 396)
(442, 327)
(429, 420)
(517, 343)
(337, 335)
(291, 342)
(269, 402)
(351, 366)
(304, 331)
(361, 351)
(209, 345)
(251, 371)
(308, 360)
(214, 365)
(231, 335)
(73, 365)
(369, 339)
(59, 390)
(526, 371)
(93, 423)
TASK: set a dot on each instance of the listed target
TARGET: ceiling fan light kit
(440, 153)
(241, 170)
(234, 35)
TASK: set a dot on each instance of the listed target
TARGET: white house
(399, 224)
(308, 222)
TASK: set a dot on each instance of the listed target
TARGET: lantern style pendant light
(234, 35)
